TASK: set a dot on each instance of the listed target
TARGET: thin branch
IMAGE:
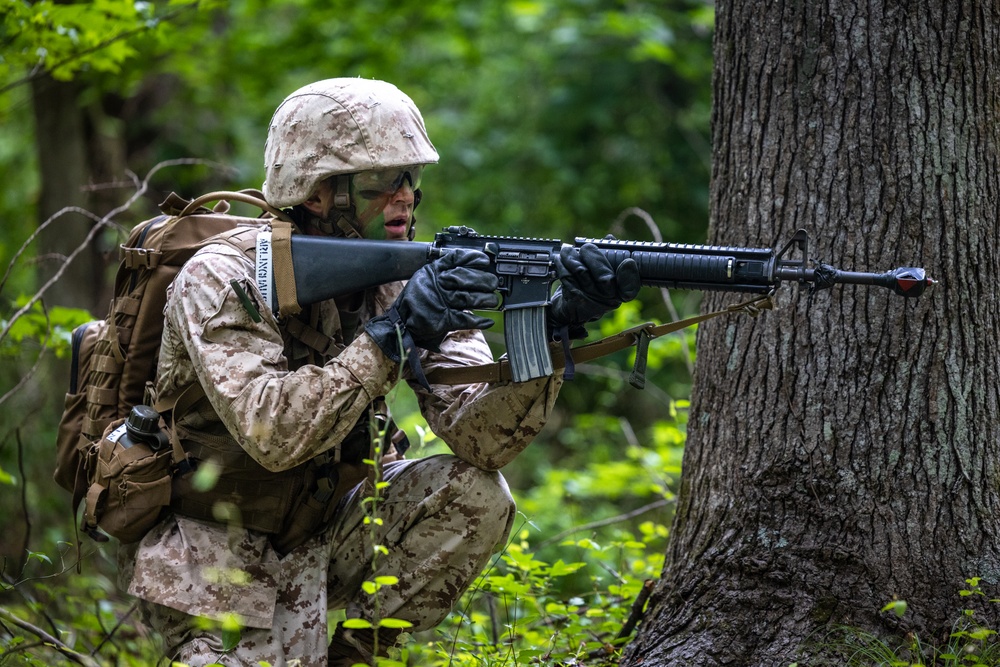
(101, 223)
(618, 226)
(636, 614)
(24, 497)
(58, 645)
(34, 368)
(109, 635)
(663, 502)
(40, 65)
(638, 609)
(650, 388)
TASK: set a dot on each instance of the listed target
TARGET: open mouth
(396, 228)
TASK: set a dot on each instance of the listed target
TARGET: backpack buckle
(140, 258)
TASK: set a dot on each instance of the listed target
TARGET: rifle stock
(325, 268)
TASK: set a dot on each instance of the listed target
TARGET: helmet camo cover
(340, 126)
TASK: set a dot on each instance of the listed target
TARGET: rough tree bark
(848, 452)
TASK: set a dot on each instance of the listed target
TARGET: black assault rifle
(329, 267)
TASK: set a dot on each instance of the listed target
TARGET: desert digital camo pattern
(340, 126)
(442, 516)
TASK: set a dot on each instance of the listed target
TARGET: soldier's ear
(314, 205)
(319, 201)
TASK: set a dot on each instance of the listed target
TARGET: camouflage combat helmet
(340, 126)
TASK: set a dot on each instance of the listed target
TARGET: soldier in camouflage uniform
(344, 156)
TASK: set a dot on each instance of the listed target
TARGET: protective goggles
(374, 184)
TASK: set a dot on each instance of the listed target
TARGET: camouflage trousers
(441, 520)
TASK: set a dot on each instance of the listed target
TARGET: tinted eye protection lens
(373, 184)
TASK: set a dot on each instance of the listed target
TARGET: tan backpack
(126, 487)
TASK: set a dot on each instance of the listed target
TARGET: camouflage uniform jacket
(283, 418)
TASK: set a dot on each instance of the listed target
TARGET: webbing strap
(127, 305)
(102, 395)
(140, 258)
(312, 338)
(179, 404)
(114, 337)
(284, 277)
(94, 428)
(106, 364)
(500, 371)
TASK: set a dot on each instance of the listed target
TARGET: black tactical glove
(589, 287)
(435, 302)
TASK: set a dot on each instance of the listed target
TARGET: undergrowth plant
(971, 643)
(518, 613)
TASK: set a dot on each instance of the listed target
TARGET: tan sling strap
(312, 338)
(281, 239)
(284, 277)
(638, 336)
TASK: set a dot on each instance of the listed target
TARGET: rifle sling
(284, 277)
(500, 371)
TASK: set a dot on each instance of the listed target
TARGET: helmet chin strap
(412, 232)
(343, 219)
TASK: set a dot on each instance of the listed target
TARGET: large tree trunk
(846, 453)
(78, 161)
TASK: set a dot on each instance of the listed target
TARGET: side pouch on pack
(72, 444)
(130, 474)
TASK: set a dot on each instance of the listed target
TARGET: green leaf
(356, 624)
(206, 476)
(7, 478)
(561, 569)
(394, 623)
(896, 606)
(387, 580)
(230, 638)
(36, 555)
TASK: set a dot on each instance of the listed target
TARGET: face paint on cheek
(375, 230)
(371, 218)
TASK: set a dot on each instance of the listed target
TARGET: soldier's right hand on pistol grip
(436, 301)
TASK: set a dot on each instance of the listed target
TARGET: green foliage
(522, 611)
(83, 614)
(66, 39)
(551, 119)
(970, 644)
(52, 328)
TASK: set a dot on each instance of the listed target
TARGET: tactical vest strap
(312, 338)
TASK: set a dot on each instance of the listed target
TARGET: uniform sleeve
(281, 418)
(486, 425)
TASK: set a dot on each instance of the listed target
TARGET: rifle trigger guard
(638, 376)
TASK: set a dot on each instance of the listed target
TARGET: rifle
(324, 268)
